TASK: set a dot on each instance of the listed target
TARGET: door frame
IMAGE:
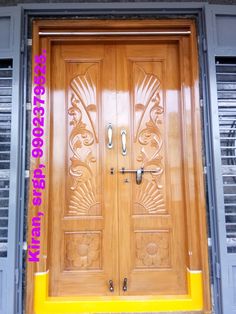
(38, 274)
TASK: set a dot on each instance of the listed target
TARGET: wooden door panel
(83, 253)
(152, 232)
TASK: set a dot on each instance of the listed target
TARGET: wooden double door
(124, 202)
(117, 205)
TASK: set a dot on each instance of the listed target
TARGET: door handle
(125, 284)
(139, 173)
(123, 142)
(111, 286)
(109, 135)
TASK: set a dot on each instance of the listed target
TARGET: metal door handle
(109, 135)
(123, 142)
(125, 284)
(111, 286)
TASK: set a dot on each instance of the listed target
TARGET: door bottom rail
(44, 304)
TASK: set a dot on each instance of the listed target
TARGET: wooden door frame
(198, 273)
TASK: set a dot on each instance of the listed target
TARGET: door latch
(125, 284)
(111, 286)
(139, 173)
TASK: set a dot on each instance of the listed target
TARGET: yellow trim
(74, 305)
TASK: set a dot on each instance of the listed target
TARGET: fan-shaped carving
(146, 92)
(146, 86)
(149, 199)
(83, 199)
(84, 88)
(83, 85)
(83, 140)
(148, 118)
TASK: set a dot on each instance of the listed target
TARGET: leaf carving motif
(81, 141)
(148, 134)
(84, 89)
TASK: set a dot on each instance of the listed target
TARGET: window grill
(226, 92)
(5, 147)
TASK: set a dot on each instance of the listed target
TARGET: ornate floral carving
(148, 136)
(152, 250)
(80, 136)
(82, 251)
(82, 140)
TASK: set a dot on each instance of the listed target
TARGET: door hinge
(201, 103)
(218, 270)
(27, 173)
(205, 170)
(29, 42)
(29, 106)
(16, 276)
(24, 246)
(22, 48)
(209, 241)
(204, 44)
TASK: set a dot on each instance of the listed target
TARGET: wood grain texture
(83, 236)
(153, 125)
(101, 226)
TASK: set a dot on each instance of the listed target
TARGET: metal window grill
(226, 91)
(5, 147)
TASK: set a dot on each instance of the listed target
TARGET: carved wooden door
(83, 203)
(107, 231)
(151, 214)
